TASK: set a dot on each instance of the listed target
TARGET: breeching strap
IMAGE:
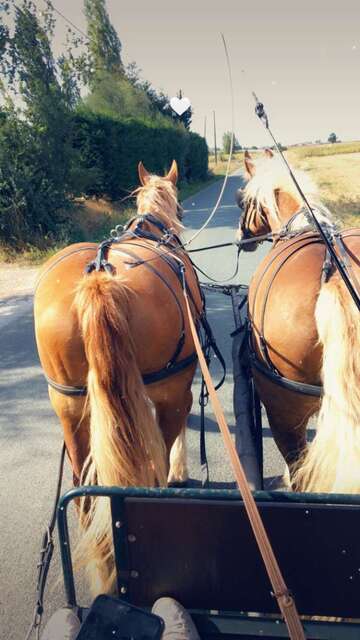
(280, 591)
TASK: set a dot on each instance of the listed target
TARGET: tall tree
(104, 43)
(160, 102)
(35, 135)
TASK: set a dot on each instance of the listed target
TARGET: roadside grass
(218, 168)
(92, 221)
(188, 189)
(337, 176)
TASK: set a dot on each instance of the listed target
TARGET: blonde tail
(126, 444)
(332, 462)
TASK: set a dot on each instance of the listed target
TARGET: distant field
(336, 171)
(311, 151)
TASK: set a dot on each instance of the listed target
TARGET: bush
(110, 149)
(196, 163)
(33, 205)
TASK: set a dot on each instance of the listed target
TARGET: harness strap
(286, 383)
(46, 553)
(148, 378)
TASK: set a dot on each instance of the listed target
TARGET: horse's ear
(173, 173)
(249, 164)
(269, 154)
(143, 174)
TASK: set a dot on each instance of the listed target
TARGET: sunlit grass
(338, 148)
(338, 179)
(219, 168)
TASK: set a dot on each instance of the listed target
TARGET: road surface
(30, 437)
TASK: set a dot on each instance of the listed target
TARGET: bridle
(249, 214)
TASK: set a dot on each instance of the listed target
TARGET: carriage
(197, 545)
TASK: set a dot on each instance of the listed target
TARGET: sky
(301, 58)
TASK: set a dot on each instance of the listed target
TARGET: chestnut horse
(101, 335)
(305, 329)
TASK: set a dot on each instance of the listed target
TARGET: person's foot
(178, 622)
(63, 625)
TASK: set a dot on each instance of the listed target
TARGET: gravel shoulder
(16, 281)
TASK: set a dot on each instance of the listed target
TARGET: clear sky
(301, 58)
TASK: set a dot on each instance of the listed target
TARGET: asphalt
(30, 435)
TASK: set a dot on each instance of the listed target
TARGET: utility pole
(215, 149)
(205, 127)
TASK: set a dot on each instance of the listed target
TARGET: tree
(115, 96)
(104, 43)
(35, 156)
(237, 145)
(227, 141)
(332, 138)
(159, 101)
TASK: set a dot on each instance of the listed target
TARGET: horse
(116, 349)
(304, 328)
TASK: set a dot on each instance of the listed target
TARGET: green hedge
(109, 150)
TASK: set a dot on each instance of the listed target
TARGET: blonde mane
(159, 197)
(270, 177)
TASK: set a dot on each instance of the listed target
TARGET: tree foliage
(332, 138)
(104, 44)
(35, 144)
(159, 101)
(227, 141)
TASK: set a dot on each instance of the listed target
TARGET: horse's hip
(155, 311)
(282, 299)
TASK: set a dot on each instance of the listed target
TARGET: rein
(280, 591)
(46, 553)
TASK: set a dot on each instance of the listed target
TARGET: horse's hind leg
(178, 472)
(288, 413)
(173, 404)
(74, 420)
(172, 421)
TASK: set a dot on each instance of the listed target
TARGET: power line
(70, 22)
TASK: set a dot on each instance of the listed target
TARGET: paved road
(30, 437)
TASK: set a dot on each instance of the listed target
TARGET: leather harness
(306, 236)
(167, 240)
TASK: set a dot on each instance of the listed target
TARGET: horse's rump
(282, 299)
(155, 306)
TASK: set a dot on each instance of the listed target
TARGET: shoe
(63, 625)
(178, 622)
